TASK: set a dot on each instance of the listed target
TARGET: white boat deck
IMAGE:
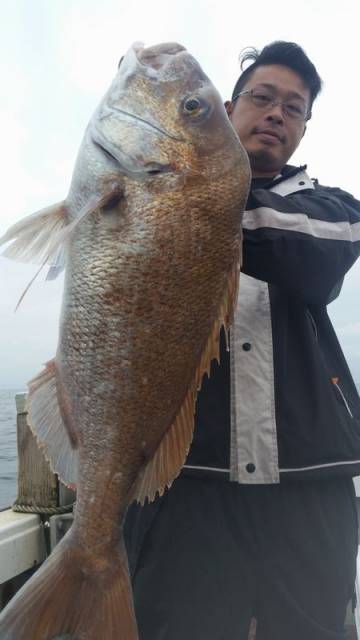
(22, 543)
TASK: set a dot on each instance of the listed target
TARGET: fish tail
(74, 595)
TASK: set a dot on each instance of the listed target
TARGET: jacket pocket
(313, 323)
(340, 394)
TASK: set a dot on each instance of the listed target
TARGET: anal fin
(47, 424)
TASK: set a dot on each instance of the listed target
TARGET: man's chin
(263, 162)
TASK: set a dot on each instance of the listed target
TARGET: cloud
(28, 337)
(352, 329)
(60, 57)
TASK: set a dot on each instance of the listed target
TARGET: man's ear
(229, 107)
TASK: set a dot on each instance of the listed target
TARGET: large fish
(150, 234)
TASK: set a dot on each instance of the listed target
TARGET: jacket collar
(291, 180)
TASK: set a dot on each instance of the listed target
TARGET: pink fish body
(150, 235)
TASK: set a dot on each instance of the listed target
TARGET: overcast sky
(57, 58)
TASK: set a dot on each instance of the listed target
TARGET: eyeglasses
(262, 100)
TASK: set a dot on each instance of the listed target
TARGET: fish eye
(192, 106)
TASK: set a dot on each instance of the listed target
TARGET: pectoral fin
(42, 236)
(33, 236)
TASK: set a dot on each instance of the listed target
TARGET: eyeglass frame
(273, 103)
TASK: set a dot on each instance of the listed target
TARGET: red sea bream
(150, 237)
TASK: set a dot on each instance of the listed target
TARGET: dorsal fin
(165, 465)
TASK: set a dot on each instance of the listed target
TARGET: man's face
(269, 136)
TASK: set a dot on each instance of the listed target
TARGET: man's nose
(275, 114)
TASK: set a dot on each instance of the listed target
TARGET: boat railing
(39, 517)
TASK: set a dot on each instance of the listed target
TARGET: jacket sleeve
(304, 242)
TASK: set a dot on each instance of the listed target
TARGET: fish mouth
(133, 167)
(153, 56)
(153, 63)
(158, 55)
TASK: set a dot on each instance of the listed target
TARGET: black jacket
(293, 409)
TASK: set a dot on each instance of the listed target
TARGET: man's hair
(287, 54)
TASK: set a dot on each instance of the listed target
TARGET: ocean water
(8, 449)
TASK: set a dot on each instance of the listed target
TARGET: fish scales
(152, 231)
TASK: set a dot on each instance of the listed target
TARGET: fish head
(161, 118)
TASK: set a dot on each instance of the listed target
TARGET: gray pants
(211, 554)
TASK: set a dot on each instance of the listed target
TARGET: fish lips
(159, 55)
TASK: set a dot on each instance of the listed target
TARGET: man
(262, 520)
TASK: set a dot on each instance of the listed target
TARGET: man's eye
(294, 109)
(261, 99)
